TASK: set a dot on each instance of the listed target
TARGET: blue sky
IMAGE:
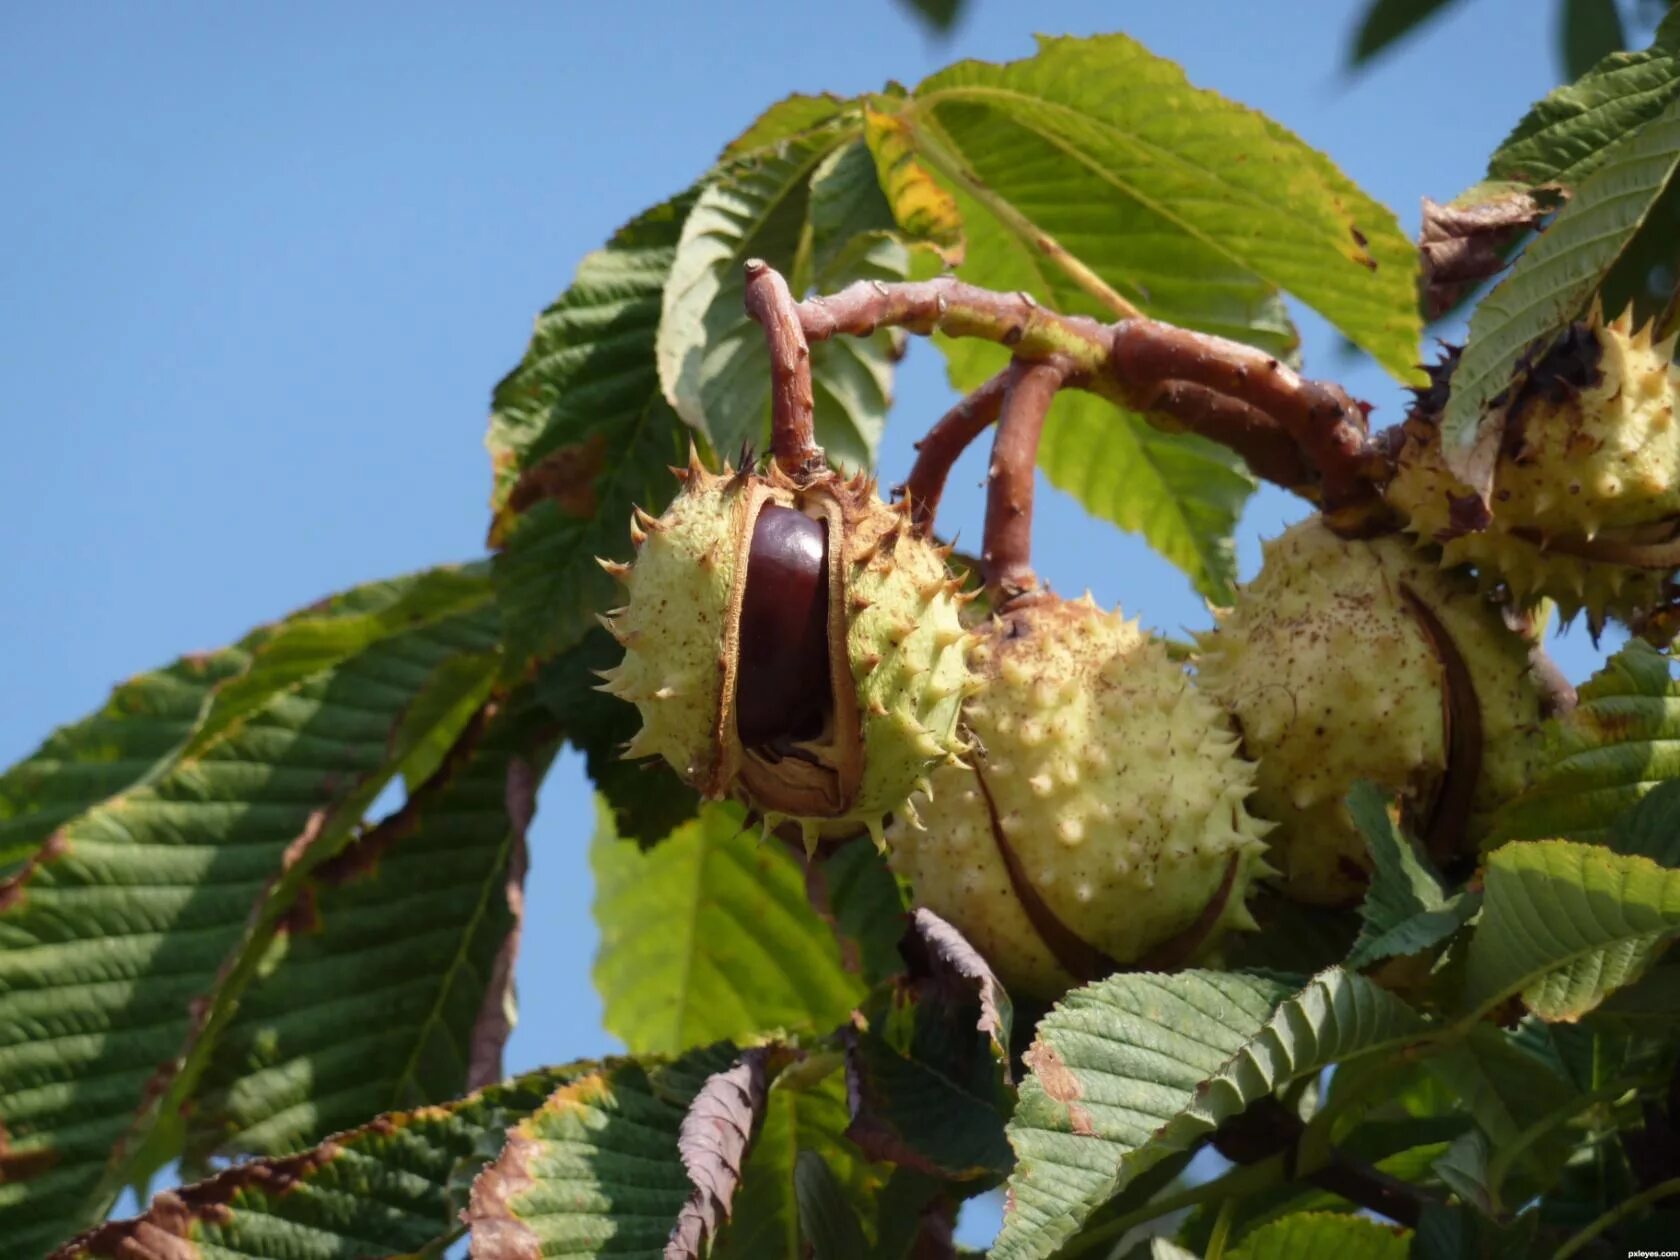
(263, 265)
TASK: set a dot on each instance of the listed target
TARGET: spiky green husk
(904, 649)
(1332, 678)
(907, 651)
(1585, 469)
(678, 599)
(1116, 784)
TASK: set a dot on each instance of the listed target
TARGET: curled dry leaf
(170, 1223)
(927, 1088)
(496, 1012)
(940, 953)
(716, 1134)
(1463, 245)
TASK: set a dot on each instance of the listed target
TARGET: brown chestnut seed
(782, 692)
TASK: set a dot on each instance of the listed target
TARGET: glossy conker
(782, 689)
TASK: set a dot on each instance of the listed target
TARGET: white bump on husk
(1331, 678)
(1086, 828)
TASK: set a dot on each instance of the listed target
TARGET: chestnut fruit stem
(792, 432)
(945, 443)
(1006, 552)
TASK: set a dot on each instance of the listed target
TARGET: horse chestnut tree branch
(1057, 902)
(1307, 436)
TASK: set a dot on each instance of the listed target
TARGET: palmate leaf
(789, 117)
(1589, 31)
(1451, 1232)
(1406, 1149)
(1652, 827)
(1589, 1053)
(1385, 21)
(755, 207)
(646, 798)
(1554, 279)
(1181, 492)
(721, 1123)
(928, 1077)
(924, 208)
(710, 936)
(1404, 910)
(1093, 177)
(392, 985)
(847, 208)
(128, 937)
(81, 764)
(1056, 228)
(1463, 1168)
(307, 646)
(395, 1185)
(1571, 132)
(1324, 1236)
(1566, 924)
(1159, 188)
(1137, 1067)
(860, 899)
(798, 205)
(806, 1117)
(941, 1115)
(1513, 1096)
(1294, 939)
(828, 1225)
(599, 1167)
(150, 717)
(578, 434)
(1650, 1004)
(1620, 742)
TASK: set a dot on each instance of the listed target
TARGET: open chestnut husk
(792, 643)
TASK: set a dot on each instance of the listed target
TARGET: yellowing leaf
(925, 210)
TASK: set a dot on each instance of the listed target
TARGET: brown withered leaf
(928, 1088)
(1061, 1083)
(388, 1179)
(567, 475)
(12, 886)
(18, 1166)
(166, 1230)
(495, 1014)
(941, 953)
(716, 1135)
(1463, 245)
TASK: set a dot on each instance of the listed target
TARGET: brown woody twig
(1241, 427)
(1006, 551)
(1267, 1128)
(1307, 436)
(945, 443)
(1321, 421)
(792, 431)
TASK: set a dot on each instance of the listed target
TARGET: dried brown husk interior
(815, 778)
(1445, 817)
